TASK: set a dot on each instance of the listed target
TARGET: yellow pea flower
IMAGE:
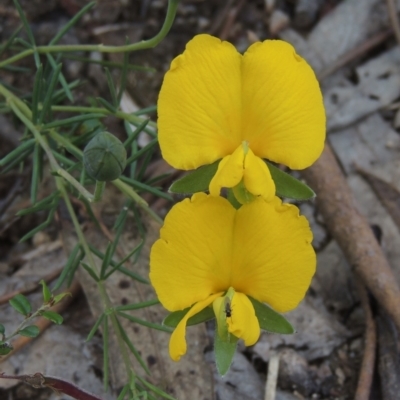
(207, 247)
(218, 104)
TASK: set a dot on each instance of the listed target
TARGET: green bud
(104, 157)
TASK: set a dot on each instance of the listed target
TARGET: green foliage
(21, 304)
(224, 351)
(30, 331)
(270, 320)
(195, 181)
(173, 319)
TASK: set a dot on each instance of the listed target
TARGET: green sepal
(5, 348)
(53, 317)
(270, 320)
(21, 304)
(196, 181)
(242, 195)
(30, 331)
(289, 187)
(230, 196)
(224, 352)
(173, 319)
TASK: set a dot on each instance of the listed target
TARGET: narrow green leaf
(109, 107)
(144, 323)
(111, 87)
(41, 205)
(196, 181)
(72, 120)
(270, 320)
(146, 110)
(24, 147)
(68, 265)
(124, 74)
(21, 304)
(18, 160)
(53, 317)
(37, 90)
(145, 149)
(28, 32)
(36, 169)
(5, 348)
(105, 354)
(2, 329)
(172, 320)
(142, 186)
(136, 306)
(95, 327)
(155, 389)
(224, 353)
(132, 348)
(49, 93)
(289, 187)
(107, 258)
(90, 271)
(10, 40)
(133, 135)
(42, 226)
(62, 80)
(124, 391)
(129, 255)
(30, 331)
(71, 23)
(46, 291)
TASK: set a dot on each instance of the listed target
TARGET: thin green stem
(103, 293)
(53, 162)
(144, 44)
(99, 190)
(128, 117)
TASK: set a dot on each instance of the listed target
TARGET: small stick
(43, 323)
(272, 379)
(392, 11)
(354, 53)
(368, 362)
(352, 232)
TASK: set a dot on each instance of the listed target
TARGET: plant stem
(144, 44)
(99, 190)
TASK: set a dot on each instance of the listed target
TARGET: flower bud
(104, 157)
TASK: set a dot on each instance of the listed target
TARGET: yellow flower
(262, 250)
(218, 104)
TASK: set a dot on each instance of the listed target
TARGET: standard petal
(283, 111)
(273, 259)
(229, 173)
(177, 342)
(257, 178)
(199, 106)
(192, 259)
(243, 322)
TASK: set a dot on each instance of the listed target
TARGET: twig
(352, 232)
(354, 53)
(368, 362)
(393, 19)
(43, 323)
(273, 368)
(389, 364)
